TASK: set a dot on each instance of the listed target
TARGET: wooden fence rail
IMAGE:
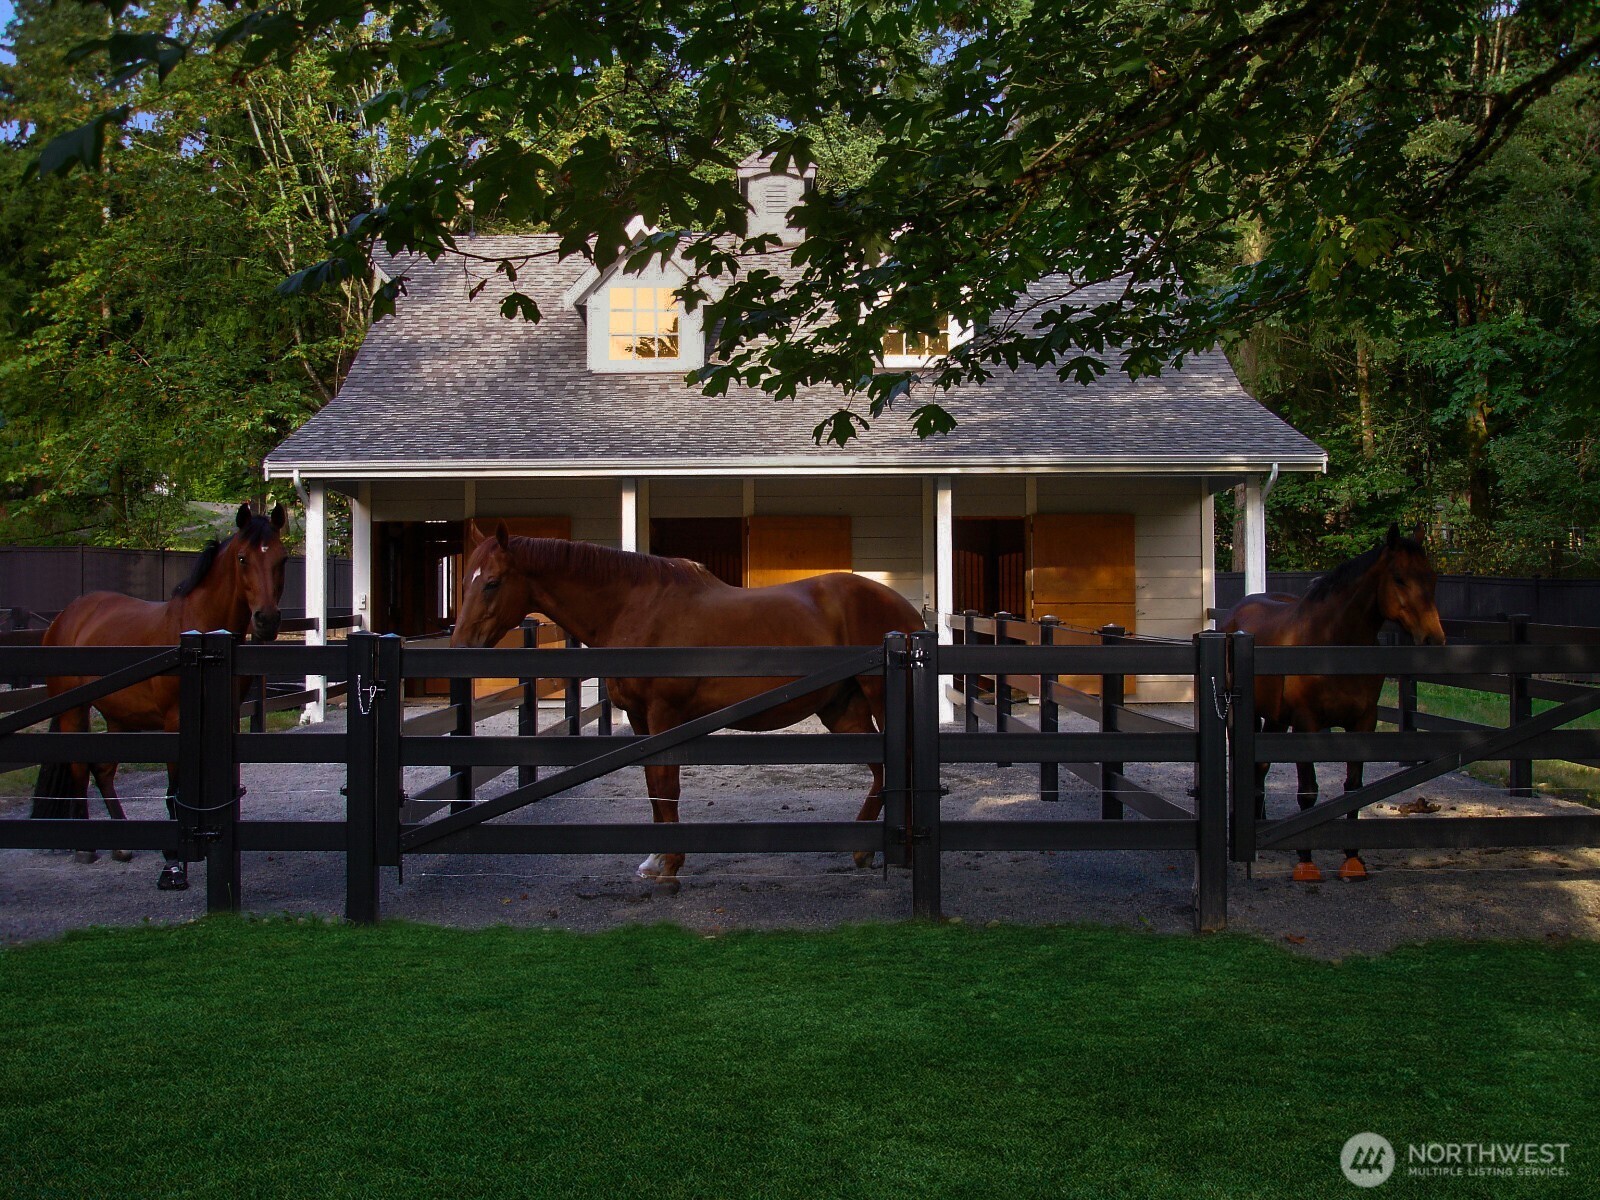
(381, 825)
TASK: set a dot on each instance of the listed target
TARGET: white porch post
(944, 575)
(316, 595)
(630, 514)
(1255, 537)
(361, 555)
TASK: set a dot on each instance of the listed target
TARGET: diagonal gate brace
(1277, 833)
(85, 692)
(637, 752)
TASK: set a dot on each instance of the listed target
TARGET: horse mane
(255, 534)
(1346, 573)
(606, 565)
(202, 566)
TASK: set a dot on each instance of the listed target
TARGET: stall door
(990, 574)
(718, 542)
(1083, 573)
(481, 528)
(784, 549)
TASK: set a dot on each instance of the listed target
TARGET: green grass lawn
(300, 1059)
(1570, 780)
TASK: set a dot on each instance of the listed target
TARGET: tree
(1099, 138)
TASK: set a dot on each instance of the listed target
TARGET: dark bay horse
(616, 598)
(1394, 581)
(235, 585)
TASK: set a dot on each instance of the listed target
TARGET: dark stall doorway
(990, 564)
(718, 542)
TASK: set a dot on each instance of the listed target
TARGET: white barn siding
(595, 505)
(697, 496)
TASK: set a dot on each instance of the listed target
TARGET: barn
(1089, 503)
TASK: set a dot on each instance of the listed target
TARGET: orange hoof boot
(1306, 872)
(1353, 868)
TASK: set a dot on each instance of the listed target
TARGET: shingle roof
(448, 385)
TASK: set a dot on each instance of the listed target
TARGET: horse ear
(1420, 532)
(502, 535)
(243, 519)
(280, 517)
(1394, 535)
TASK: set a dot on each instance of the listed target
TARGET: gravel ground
(1411, 895)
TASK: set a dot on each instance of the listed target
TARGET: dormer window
(644, 324)
(903, 348)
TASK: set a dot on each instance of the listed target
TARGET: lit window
(898, 344)
(644, 323)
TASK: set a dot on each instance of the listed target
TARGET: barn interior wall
(885, 521)
(696, 496)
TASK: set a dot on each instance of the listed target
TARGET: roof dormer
(770, 195)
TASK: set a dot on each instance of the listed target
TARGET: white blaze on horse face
(475, 575)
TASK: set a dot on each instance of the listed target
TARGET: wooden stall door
(990, 571)
(480, 528)
(784, 549)
(1083, 574)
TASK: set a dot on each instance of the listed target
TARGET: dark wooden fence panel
(1546, 601)
(48, 578)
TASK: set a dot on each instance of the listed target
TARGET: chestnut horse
(234, 586)
(1394, 581)
(617, 598)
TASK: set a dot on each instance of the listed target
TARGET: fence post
(1002, 682)
(388, 778)
(1520, 708)
(1049, 715)
(896, 749)
(969, 682)
(1211, 782)
(1112, 695)
(361, 784)
(528, 710)
(1242, 743)
(574, 697)
(925, 787)
(219, 772)
(461, 700)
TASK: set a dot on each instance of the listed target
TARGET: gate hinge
(204, 835)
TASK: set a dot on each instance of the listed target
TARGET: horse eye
(241, 558)
(490, 584)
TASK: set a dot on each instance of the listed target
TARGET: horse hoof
(668, 886)
(1307, 873)
(1353, 868)
(122, 855)
(863, 858)
(174, 878)
(84, 856)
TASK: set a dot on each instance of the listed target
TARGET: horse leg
(1262, 769)
(1354, 868)
(663, 785)
(76, 720)
(854, 714)
(1305, 870)
(105, 778)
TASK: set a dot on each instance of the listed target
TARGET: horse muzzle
(264, 626)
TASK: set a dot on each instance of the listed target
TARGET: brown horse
(234, 586)
(617, 598)
(1393, 581)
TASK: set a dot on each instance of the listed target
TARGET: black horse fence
(1076, 718)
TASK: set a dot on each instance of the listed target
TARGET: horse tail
(56, 794)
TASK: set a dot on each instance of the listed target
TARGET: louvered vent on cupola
(770, 195)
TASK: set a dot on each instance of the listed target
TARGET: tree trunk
(1369, 441)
